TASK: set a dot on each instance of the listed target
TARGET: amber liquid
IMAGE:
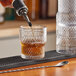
(6, 2)
(31, 48)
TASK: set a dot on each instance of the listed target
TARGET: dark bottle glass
(43, 9)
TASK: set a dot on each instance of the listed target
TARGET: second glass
(33, 41)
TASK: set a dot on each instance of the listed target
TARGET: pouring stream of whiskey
(32, 32)
(30, 24)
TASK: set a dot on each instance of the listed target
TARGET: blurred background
(42, 12)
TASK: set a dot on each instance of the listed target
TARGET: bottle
(19, 6)
(9, 14)
(43, 9)
(66, 27)
(33, 6)
(2, 11)
(52, 8)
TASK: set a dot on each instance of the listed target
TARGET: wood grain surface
(67, 70)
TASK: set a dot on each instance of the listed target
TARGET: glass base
(66, 53)
(32, 57)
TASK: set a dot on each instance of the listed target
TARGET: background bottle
(10, 14)
(43, 9)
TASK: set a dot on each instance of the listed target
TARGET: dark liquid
(32, 48)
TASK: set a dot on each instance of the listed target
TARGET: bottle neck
(21, 10)
(20, 7)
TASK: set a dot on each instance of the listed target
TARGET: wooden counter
(11, 28)
(67, 70)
